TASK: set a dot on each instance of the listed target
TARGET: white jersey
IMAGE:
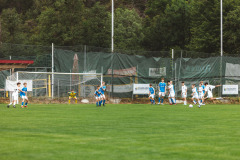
(194, 91)
(171, 88)
(209, 89)
(184, 89)
(15, 91)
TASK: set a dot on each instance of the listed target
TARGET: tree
(11, 25)
(128, 29)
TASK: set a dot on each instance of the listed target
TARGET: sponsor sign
(230, 89)
(140, 88)
(11, 85)
(157, 72)
(120, 88)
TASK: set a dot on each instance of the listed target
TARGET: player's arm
(154, 92)
(165, 89)
(218, 85)
(186, 92)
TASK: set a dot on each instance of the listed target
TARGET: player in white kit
(208, 91)
(201, 94)
(184, 93)
(15, 95)
(195, 95)
(171, 93)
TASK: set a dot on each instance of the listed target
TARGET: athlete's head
(182, 83)
(25, 84)
(98, 87)
(201, 82)
(168, 82)
(162, 79)
(193, 85)
(150, 85)
(103, 83)
(72, 90)
(206, 83)
(18, 84)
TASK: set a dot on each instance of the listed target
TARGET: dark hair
(206, 83)
(98, 86)
(18, 83)
(168, 81)
(162, 78)
(150, 84)
(182, 82)
(193, 84)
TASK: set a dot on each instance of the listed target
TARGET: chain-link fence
(122, 69)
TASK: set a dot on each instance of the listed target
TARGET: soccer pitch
(121, 132)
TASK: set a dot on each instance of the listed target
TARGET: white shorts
(210, 95)
(24, 97)
(200, 96)
(151, 96)
(161, 94)
(171, 94)
(184, 95)
(195, 96)
(97, 97)
(102, 96)
(14, 97)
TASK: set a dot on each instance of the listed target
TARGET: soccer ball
(190, 105)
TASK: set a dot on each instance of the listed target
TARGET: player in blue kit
(97, 94)
(102, 90)
(23, 95)
(162, 91)
(203, 92)
(151, 94)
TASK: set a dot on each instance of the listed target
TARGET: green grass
(121, 132)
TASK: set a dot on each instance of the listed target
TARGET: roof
(10, 64)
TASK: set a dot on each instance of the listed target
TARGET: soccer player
(184, 93)
(103, 89)
(208, 89)
(201, 94)
(72, 95)
(97, 96)
(23, 95)
(195, 95)
(171, 93)
(203, 86)
(15, 95)
(151, 94)
(162, 91)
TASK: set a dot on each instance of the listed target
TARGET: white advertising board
(10, 85)
(140, 88)
(230, 89)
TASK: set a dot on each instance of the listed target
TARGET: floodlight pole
(112, 47)
(52, 70)
(221, 13)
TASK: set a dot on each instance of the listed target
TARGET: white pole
(221, 12)
(112, 26)
(52, 70)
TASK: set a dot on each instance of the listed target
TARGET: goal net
(56, 85)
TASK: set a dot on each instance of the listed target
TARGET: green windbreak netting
(122, 70)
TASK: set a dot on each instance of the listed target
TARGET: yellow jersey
(72, 94)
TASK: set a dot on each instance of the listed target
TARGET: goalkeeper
(72, 95)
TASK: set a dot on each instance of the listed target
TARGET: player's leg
(163, 94)
(26, 101)
(153, 99)
(69, 99)
(159, 98)
(75, 99)
(193, 99)
(104, 99)
(23, 99)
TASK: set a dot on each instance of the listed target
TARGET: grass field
(122, 132)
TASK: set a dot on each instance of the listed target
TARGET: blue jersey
(22, 93)
(162, 86)
(102, 89)
(97, 93)
(203, 87)
(151, 90)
